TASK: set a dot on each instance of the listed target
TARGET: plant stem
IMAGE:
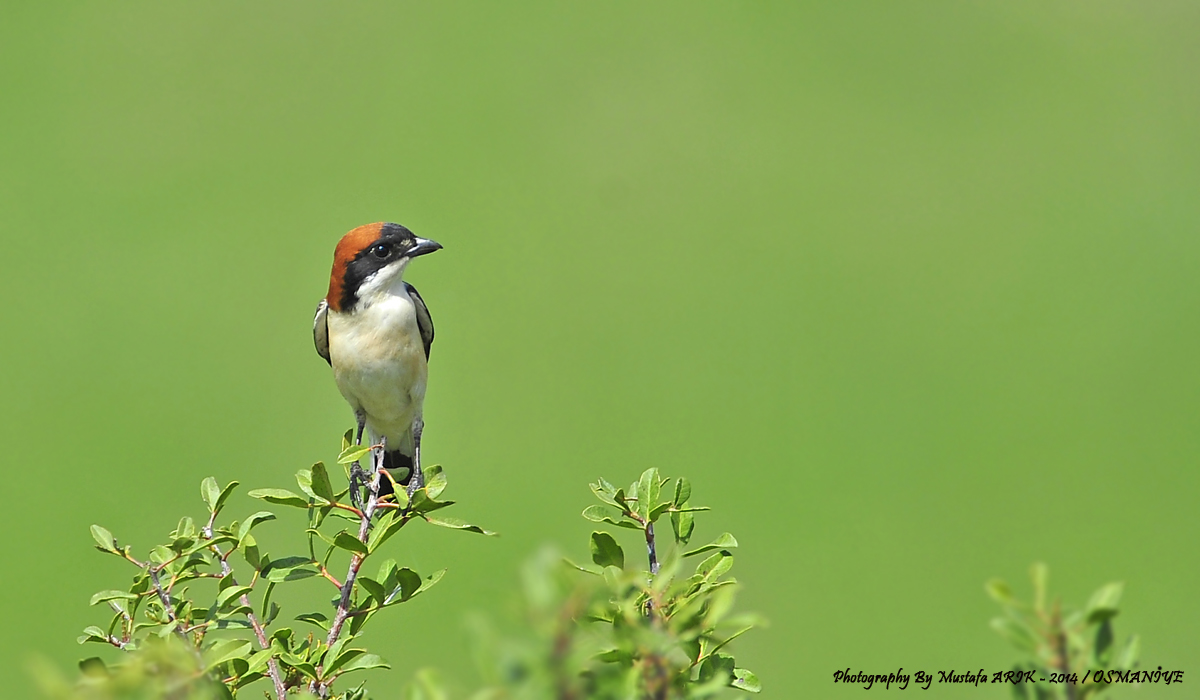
(356, 561)
(650, 549)
(165, 599)
(259, 632)
(1060, 639)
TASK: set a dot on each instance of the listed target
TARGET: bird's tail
(400, 466)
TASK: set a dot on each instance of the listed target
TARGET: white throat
(388, 282)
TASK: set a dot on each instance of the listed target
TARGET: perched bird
(375, 331)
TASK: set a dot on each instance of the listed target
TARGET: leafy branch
(1076, 646)
(161, 605)
(657, 631)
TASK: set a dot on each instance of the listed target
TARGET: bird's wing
(424, 320)
(321, 331)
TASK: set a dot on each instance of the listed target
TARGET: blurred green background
(909, 290)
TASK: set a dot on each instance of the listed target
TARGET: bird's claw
(357, 479)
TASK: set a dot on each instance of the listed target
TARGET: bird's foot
(358, 478)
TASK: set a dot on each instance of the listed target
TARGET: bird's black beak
(423, 246)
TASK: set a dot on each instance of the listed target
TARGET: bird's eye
(381, 250)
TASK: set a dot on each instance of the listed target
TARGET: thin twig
(259, 632)
(126, 622)
(356, 560)
(118, 643)
(325, 572)
(165, 599)
(343, 506)
(650, 549)
(1060, 640)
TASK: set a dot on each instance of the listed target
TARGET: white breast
(379, 363)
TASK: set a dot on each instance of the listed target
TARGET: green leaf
(261, 516)
(614, 656)
(224, 495)
(430, 581)
(409, 585)
(210, 492)
(715, 566)
(1102, 646)
(296, 574)
(333, 651)
(225, 650)
(387, 526)
(401, 497)
(387, 572)
(435, 480)
(353, 453)
(93, 634)
(409, 582)
(250, 551)
(281, 497)
(185, 530)
(379, 528)
(304, 479)
(683, 491)
(94, 666)
(374, 588)
(717, 666)
(1000, 592)
(1103, 603)
(364, 662)
(296, 662)
(349, 543)
(683, 524)
(456, 524)
(598, 514)
(745, 680)
(725, 541)
(231, 594)
(606, 551)
(315, 618)
(103, 596)
(1129, 655)
(1040, 574)
(647, 493)
(605, 492)
(259, 661)
(603, 515)
(104, 539)
(731, 637)
(1016, 632)
(283, 569)
(321, 484)
(340, 659)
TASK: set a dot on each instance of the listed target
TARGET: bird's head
(370, 259)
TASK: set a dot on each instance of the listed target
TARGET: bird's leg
(357, 476)
(377, 459)
(417, 480)
(373, 479)
(361, 417)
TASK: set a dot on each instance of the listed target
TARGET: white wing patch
(424, 320)
(321, 331)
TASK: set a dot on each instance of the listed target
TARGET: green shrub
(200, 620)
(1071, 649)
